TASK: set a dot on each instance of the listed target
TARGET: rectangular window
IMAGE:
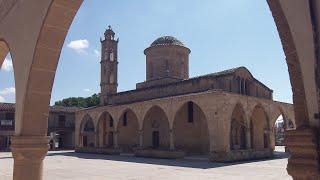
(190, 112)
(125, 120)
(9, 116)
(111, 122)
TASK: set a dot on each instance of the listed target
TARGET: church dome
(166, 40)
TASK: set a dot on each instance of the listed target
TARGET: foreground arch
(49, 22)
(4, 50)
(36, 50)
(191, 129)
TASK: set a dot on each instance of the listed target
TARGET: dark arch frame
(105, 130)
(130, 133)
(158, 133)
(266, 127)
(200, 134)
(87, 135)
(240, 144)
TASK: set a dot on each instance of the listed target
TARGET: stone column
(140, 138)
(28, 153)
(303, 162)
(248, 138)
(171, 134)
(116, 146)
(96, 139)
(272, 139)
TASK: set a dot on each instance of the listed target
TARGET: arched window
(125, 119)
(111, 56)
(238, 135)
(111, 122)
(88, 127)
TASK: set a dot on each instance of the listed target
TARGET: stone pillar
(248, 138)
(171, 134)
(28, 153)
(140, 138)
(303, 163)
(116, 146)
(272, 139)
(96, 139)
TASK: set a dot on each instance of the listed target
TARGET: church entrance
(85, 141)
(110, 138)
(155, 139)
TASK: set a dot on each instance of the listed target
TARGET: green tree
(79, 102)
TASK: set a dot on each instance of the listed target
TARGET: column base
(28, 153)
(241, 155)
(303, 163)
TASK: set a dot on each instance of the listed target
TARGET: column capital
(28, 153)
(29, 147)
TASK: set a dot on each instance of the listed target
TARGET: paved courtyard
(66, 165)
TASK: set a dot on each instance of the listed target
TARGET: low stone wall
(241, 155)
(155, 153)
(110, 151)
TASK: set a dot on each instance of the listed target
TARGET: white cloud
(7, 91)
(87, 90)
(2, 99)
(7, 65)
(79, 45)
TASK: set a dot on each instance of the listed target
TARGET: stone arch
(293, 62)
(4, 50)
(33, 97)
(87, 132)
(277, 127)
(128, 130)
(33, 105)
(190, 129)
(156, 128)
(238, 128)
(5, 53)
(260, 128)
(105, 129)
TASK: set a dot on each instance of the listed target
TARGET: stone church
(223, 116)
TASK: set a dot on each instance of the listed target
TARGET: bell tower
(109, 66)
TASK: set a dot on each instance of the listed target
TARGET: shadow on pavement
(200, 164)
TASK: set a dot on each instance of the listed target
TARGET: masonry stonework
(227, 115)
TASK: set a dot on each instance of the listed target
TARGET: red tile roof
(11, 107)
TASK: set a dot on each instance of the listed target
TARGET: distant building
(227, 115)
(279, 130)
(61, 126)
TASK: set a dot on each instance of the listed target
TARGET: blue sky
(221, 34)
